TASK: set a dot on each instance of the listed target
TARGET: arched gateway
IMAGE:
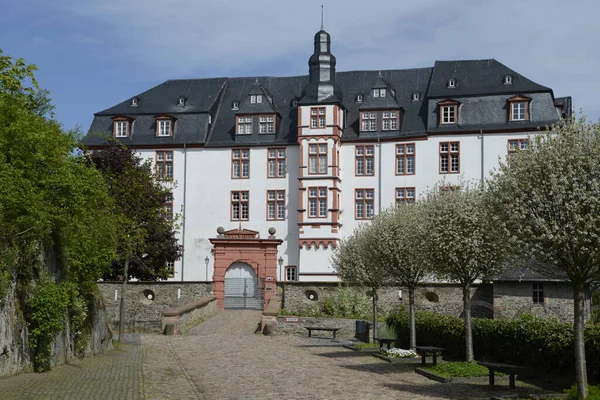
(242, 288)
(245, 273)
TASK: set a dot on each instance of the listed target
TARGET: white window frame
(291, 273)
(369, 121)
(121, 129)
(519, 110)
(164, 128)
(448, 114)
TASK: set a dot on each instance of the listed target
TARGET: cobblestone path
(223, 359)
(114, 375)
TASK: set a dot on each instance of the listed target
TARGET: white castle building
(314, 156)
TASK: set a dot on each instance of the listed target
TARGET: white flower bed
(398, 353)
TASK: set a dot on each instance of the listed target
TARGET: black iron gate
(244, 293)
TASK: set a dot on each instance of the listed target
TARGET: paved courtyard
(223, 359)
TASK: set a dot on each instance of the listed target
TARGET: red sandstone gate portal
(236, 251)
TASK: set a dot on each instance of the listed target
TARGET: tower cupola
(321, 86)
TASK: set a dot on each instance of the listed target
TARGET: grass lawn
(459, 369)
(366, 346)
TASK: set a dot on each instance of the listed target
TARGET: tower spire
(321, 16)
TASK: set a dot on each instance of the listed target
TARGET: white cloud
(549, 41)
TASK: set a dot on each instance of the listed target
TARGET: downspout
(183, 207)
(379, 177)
(482, 159)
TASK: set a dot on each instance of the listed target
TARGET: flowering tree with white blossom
(548, 201)
(388, 250)
(356, 262)
(463, 244)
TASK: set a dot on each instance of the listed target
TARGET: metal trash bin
(362, 330)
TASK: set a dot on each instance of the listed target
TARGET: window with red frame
(365, 160)
(405, 159)
(240, 205)
(449, 157)
(317, 202)
(240, 163)
(364, 203)
(276, 205)
(317, 159)
(276, 163)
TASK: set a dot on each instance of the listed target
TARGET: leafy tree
(548, 200)
(401, 246)
(357, 262)
(147, 240)
(462, 243)
(55, 209)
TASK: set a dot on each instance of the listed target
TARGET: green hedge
(528, 341)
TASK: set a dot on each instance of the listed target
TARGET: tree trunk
(411, 313)
(122, 302)
(374, 313)
(578, 317)
(467, 313)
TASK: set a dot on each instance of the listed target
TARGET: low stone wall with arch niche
(298, 297)
(145, 302)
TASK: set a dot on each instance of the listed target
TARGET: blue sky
(93, 54)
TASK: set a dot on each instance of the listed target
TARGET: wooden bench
(511, 370)
(386, 341)
(316, 328)
(429, 349)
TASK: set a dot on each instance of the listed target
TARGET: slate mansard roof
(208, 118)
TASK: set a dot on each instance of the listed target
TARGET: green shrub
(47, 308)
(385, 331)
(593, 393)
(528, 341)
(366, 346)
(348, 302)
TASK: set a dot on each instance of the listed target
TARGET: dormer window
(451, 83)
(519, 108)
(164, 127)
(235, 105)
(368, 121)
(181, 101)
(389, 120)
(448, 114)
(244, 125)
(379, 92)
(416, 96)
(359, 98)
(256, 98)
(508, 79)
(448, 110)
(121, 129)
(121, 126)
(266, 124)
(134, 102)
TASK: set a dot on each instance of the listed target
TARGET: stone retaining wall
(186, 316)
(512, 299)
(15, 354)
(439, 297)
(145, 302)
